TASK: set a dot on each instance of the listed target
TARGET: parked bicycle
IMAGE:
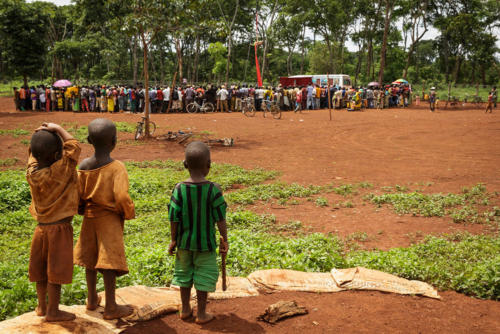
(247, 107)
(272, 107)
(140, 130)
(194, 107)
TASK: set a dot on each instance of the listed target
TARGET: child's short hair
(102, 132)
(44, 144)
(197, 155)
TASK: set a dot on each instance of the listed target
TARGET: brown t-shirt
(104, 191)
(54, 190)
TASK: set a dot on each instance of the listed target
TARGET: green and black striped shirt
(196, 207)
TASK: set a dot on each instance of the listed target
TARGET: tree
(21, 26)
(389, 6)
(229, 24)
(146, 18)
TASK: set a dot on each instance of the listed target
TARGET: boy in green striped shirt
(195, 207)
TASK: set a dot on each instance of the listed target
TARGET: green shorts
(195, 267)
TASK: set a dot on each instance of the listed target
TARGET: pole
(223, 269)
(329, 98)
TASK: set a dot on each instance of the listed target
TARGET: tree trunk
(134, 59)
(408, 59)
(456, 71)
(330, 53)
(388, 14)
(25, 80)
(369, 55)
(179, 57)
(230, 39)
(288, 62)
(196, 58)
(342, 41)
(146, 83)
(228, 60)
(246, 62)
(483, 75)
(303, 56)
(358, 66)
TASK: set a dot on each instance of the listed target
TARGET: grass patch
(460, 207)
(16, 133)
(125, 127)
(321, 202)
(266, 192)
(8, 162)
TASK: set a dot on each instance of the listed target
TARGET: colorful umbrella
(373, 84)
(62, 83)
(400, 81)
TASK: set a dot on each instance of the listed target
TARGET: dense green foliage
(203, 40)
(469, 264)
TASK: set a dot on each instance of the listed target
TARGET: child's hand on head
(171, 247)
(52, 127)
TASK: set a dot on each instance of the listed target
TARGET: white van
(340, 80)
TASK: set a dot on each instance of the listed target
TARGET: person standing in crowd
(495, 96)
(489, 106)
(159, 100)
(432, 99)
(223, 95)
(48, 103)
(310, 96)
(84, 95)
(259, 97)
(166, 99)
(17, 99)
(189, 95)
(42, 99)
(53, 98)
(92, 98)
(33, 96)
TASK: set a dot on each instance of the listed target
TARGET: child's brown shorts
(101, 246)
(51, 257)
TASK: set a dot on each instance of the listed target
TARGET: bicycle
(194, 107)
(247, 107)
(272, 107)
(140, 130)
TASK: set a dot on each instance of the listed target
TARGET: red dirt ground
(449, 149)
(343, 312)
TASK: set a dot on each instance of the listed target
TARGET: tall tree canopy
(134, 41)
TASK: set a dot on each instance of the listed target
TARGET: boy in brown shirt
(52, 177)
(105, 204)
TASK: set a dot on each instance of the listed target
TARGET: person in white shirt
(166, 99)
(259, 96)
(222, 94)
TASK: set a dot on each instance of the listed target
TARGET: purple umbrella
(373, 84)
(62, 83)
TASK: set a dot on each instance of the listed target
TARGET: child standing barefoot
(52, 177)
(196, 206)
(105, 204)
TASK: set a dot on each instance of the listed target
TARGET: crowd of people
(162, 99)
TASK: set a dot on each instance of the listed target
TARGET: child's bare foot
(93, 303)
(41, 311)
(203, 319)
(120, 311)
(186, 314)
(60, 316)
